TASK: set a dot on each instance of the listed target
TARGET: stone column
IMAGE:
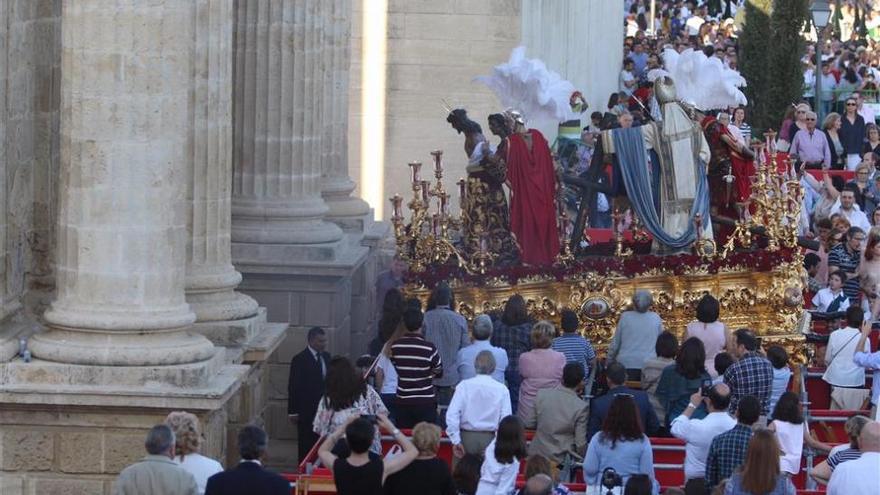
(210, 276)
(8, 343)
(279, 81)
(122, 226)
(336, 185)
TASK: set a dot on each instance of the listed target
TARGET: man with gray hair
(637, 331)
(477, 406)
(481, 332)
(157, 472)
(810, 146)
(539, 484)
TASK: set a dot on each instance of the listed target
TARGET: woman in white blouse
(502, 458)
(188, 440)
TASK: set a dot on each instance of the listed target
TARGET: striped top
(576, 348)
(417, 363)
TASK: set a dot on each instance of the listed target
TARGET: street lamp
(821, 12)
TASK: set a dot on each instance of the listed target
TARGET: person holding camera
(698, 433)
(621, 445)
(363, 472)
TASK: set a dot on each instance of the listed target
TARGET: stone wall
(435, 49)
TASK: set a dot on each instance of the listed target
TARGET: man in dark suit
(249, 476)
(616, 377)
(305, 387)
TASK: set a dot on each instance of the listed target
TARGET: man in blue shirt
(872, 362)
(616, 377)
(481, 333)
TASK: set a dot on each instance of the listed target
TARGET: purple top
(871, 361)
(811, 147)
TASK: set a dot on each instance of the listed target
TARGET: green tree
(754, 61)
(787, 48)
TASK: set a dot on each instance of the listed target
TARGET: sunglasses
(811, 120)
(850, 103)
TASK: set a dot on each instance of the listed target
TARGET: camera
(705, 387)
(610, 479)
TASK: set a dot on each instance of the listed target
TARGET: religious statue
(486, 204)
(531, 177)
(731, 168)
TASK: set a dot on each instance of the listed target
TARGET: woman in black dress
(427, 475)
(362, 473)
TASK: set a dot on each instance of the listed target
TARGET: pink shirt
(539, 368)
(712, 336)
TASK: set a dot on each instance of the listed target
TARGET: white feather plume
(702, 81)
(529, 86)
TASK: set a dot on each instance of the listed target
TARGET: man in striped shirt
(417, 363)
(576, 348)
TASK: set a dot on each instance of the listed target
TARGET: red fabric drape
(532, 199)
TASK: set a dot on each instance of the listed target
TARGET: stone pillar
(210, 276)
(121, 227)
(336, 186)
(8, 343)
(279, 82)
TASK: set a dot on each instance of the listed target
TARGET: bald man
(860, 476)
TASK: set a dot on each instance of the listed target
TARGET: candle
(438, 160)
(436, 223)
(396, 201)
(443, 199)
(484, 244)
(462, 189)
(425, 191)
(414, 170)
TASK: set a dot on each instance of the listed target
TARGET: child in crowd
(723, 360)
(781, 373)
(832, 299)
(575, 347)
(811, 266)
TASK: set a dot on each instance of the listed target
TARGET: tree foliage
(754, 60)
(787, 48)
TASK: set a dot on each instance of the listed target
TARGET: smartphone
(705, 387)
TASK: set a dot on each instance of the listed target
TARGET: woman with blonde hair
(831, 126)
(759, 474)
(188, 441)
(540, 368)
(427, 474)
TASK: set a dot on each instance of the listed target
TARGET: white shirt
(693, 25)
(856, 217)
(823, 298)
(856, 477)
(200, 467)
(478, 404)
(389, 386)
(791, 441)
(867, 113)
(736, 133)
(625, 77)
(698, 435)
(496, 478)
(842, 371)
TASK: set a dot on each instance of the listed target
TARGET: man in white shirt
(698, 433)
(850, 210)
(477, 406)
(627, 79)
(865, 111)
(860, 476)
(481, 333)
(847, 379)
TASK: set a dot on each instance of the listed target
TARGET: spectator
(714, 335)
(559, 418)
(666, 349)
(466, 474)
(448, 331)
(305, 387)
(792, 432)
(850, 209)
(831, 128)
(426, 475)
(860, 186)
(739, 120)
(811, 146)
(859, 477)
(621, 445)
(600, 406)
(188, 441)
(347, 395)
(811, 265)
(481, 333)
(250, 476)
(842, 453)
(832, 299)
(781, 373)
(679, 382)
(760, 472)
(639, 59)
(391, 278)
(637, 330)
(540, 368)
(361, 472)
(751, 374)
(417, 362)
(723, 360)
(640, 484)
(869, 360)
(847, 379)
(512, 333)
(478, 405)
(872, 139)
(538, 468)
(728, 449)
(852, 132)
(157, 472)
(385, 380)
(829, 84)
(699, 433)
(389, 320)
(627, 80)
(502, 458)
(575, 347)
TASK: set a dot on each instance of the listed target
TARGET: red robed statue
(532, 181)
